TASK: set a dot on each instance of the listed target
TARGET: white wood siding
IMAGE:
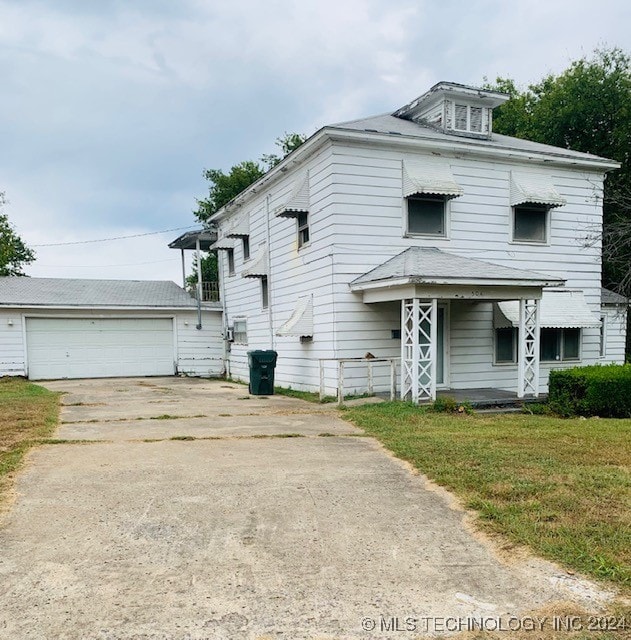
(12, 356)
(200, 352)
(615, 326)
(293, 273)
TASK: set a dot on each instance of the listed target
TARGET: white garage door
(99, 347)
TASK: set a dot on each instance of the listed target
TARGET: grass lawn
(27, 413)
(560, 486)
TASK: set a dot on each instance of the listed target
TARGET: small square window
(230, 254)
(246, 247)
(530, 223)
(240, 331)
(505, 345)
(426, 215)
(264, 293)
(303, 229)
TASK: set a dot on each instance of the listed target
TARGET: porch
(425, 281)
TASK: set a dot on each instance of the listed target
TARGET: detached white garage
(62, 328)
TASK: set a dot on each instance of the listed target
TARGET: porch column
(419, 323)
(528, 349)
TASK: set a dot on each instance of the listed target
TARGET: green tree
(586, 108)
(225, 186)
(209, 270)
(14, 254)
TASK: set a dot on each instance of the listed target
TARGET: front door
(442, 374)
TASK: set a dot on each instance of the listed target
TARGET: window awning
(298, 201)
(258, 267)
(300, 323)
(429, 177)
(240, 228)
(534, 188)
(559, 309)
(223, 244)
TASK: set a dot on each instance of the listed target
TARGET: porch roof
(431, 266)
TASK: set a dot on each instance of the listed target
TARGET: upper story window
(426, 215)
(530, 223)
(303, 229)
(264, 293)
(428, 186)
(533, 196)
(246, 247)
(230, 256)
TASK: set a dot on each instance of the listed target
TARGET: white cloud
(111, 110)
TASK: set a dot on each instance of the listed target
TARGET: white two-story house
(466, 257)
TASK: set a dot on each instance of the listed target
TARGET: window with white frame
(303, 228)
(230, 257)
(530, 223)
(264, 293)
(559, 345)
(603, 336)
(246, 247)
(427, 215)
(240, 331)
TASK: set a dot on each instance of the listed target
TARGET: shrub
(592, 391)
(447, 404)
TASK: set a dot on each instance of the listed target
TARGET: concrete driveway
(178, 508)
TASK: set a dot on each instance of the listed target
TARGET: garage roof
(70, 292)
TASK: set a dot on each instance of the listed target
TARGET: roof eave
(103, 307)
(490, 282)
(460, 144)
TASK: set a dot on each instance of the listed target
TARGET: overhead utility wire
(135, 235)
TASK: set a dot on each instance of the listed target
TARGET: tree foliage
(14, 254)
(225, 186)
(586, 108)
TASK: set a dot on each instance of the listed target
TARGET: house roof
(393, 126)
(428, 265)
(611, 297)
(69, 292)
(189, 239)
(560, 308)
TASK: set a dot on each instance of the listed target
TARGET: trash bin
(262, 365)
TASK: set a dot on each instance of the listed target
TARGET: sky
(111, 109)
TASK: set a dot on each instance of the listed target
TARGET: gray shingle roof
(70, 292)
(611, 297)
(429, 265)
(391, 125)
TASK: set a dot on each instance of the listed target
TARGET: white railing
(210, 291)
(370, 362)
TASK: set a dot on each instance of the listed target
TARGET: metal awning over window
(563, 309)
(222, 245)
(300, 323)
(240, 228)
(534, 189)
(432, 177)
(258, 267)
(298, 201)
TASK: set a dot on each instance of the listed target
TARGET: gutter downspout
(270, 280)
(199, 285)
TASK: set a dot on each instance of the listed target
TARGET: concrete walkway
(124, 532)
